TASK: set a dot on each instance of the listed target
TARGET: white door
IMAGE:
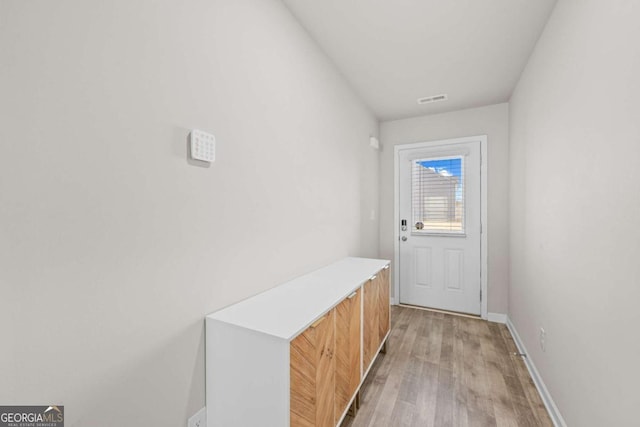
(440, 236)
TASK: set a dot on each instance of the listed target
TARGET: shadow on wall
(112, 406)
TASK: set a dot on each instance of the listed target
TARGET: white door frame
(483, 212)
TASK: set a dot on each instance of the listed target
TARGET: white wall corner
(497, 318)
(552, 409)
(393, 301)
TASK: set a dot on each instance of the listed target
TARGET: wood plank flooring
(444, 370)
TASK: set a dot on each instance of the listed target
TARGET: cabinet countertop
(286, 310)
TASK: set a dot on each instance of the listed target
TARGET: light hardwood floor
(443, 370)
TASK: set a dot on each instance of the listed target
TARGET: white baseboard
(393, 301)
(552, 409)
(497, 317)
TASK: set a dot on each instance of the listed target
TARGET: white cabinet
(252, 377)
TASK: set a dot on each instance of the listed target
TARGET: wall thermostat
(203, 146)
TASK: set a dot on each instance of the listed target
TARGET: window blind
(437, 194)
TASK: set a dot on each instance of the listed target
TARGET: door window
(437, 195)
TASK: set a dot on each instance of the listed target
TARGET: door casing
(483, 212)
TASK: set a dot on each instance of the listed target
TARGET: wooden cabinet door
(312, 371)
(383, 303)
(371, 319)
(376, 315)
(347, 351)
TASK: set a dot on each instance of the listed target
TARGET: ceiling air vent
(430, 99)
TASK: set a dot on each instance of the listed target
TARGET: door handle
(317, 322)
(404, 238)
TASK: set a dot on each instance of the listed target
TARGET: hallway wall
(113, 247)
(575, 245)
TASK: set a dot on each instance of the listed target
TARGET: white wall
(112, 246)
(575, 241)
(491, 121)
